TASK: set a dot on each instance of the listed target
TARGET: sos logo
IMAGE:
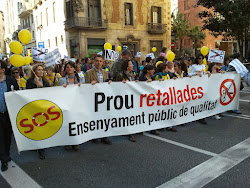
(39, 120)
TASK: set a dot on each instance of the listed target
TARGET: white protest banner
(239, 67)
(53, 57)
(66, 57)
(150, 55)
(111, 55)
(59, 116)
(73, 60)
(1, 56)
(216, 56)
(138, 54)
(100, 53)
(38, 54)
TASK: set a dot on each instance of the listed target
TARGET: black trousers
(5, 137)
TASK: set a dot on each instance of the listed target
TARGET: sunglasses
(15, 72)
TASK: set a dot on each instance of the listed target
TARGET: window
(56, 40)
(157, 44)
(69, 9)
(128, 13)
(41, 18)
(47, 19)
(33, 34)
(54, 12)
(49, 43)
(186, 7)
(62, 39)
(36, 20)
(155, 15)
(31, 18)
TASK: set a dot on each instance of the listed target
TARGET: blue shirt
(3, 89)
(135, 67)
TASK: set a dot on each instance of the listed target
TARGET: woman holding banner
(127, 75)
(71, 78)
(38, 80)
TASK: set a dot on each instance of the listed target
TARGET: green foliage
(196, 35)
(229, 18)
(180, 27)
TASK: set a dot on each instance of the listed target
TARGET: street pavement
(212, 155)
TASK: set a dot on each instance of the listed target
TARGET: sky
(2, 5)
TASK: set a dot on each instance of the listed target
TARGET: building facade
(12, 22)
(2, 33)
(137, 24)
(190, 11)
(25, 14)
(49, 18)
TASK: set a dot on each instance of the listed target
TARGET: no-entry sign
(172, 44)
(227, 92)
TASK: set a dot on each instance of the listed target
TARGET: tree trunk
(181, 40)
(240, 43)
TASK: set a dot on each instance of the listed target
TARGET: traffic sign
(172, 44)
(41, 45)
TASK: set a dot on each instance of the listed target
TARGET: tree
(196, 35)
(229, 18)
(180, 27)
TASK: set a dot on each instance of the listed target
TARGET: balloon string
(33, 71)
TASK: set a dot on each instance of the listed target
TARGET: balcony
(82, 23)
(157, 28)
(25, 10)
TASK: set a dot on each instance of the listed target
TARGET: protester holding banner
(38, 77)
(198, 68)
(126, 75)
(148, 73)
(24, 79)
(7, 83)
(180, 69)
(162, 72)
(94, 76)
(116, 68)
(51, 76)
(71, 76)
(38, 80)
(15, 73)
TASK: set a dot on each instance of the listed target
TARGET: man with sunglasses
(7, 83)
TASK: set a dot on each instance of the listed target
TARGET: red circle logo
(227, 92)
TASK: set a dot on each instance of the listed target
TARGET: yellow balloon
(158, 63)
(170, 56)
(108, 46)
(119, 48)
(204, 50)
(16, 47)
(28, 60)
(154, 49)
(169, 51)
(17, 60)
(24, 36)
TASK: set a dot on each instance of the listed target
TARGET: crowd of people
(95, 71)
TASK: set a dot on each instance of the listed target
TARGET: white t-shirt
(194, 69)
